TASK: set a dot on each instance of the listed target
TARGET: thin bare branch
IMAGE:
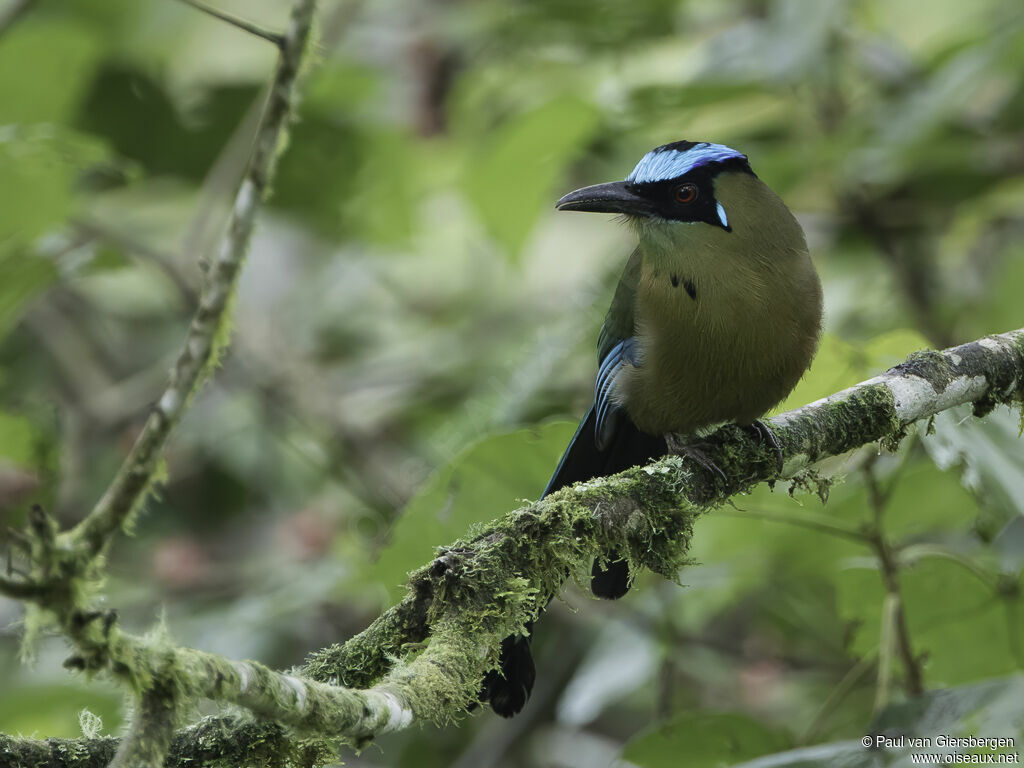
(235, 21)
(895, 632)
(208, 330)
(809, 520)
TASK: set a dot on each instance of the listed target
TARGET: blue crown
(674, 160)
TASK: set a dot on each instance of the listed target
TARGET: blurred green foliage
(415, 319)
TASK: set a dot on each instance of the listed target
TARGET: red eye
(685, 193)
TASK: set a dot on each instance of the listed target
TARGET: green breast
(727, 322)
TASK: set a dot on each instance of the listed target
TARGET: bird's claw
(694, 452)
(765, 433)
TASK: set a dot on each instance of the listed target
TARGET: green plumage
(740, 343)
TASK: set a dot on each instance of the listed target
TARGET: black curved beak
(614, 197)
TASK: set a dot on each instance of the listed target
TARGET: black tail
(583, 460)
(509, 686)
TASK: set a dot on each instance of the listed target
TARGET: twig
(846, 684)
(887, 639)
(809, 520)
(894, 620)
(149, 738)
(230, 162)
(208, 330)
(163, 261)
(85, 377)
(247, 26)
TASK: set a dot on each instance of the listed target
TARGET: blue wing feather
(606, 396)
(607, 441)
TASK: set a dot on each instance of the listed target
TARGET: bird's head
(672, 183)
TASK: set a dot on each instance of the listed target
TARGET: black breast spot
(691, 289)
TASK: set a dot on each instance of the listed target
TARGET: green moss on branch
(481, 589)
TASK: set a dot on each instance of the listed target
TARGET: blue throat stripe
(664, 164)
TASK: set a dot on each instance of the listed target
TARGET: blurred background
(415, 336)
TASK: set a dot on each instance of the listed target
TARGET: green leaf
(746, 553)
(391, 185)
(512, 178)
(947, 609)
(992, 709)
(44, 68)
(990, 455)
(25, 275)
(840, 754)
(39, 166)
(924, 500)
(704, 740)
(486, 480)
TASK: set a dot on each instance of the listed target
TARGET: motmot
(715, 319)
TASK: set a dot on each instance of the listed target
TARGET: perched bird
(715, 319)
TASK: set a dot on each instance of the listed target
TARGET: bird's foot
(695, 452)
(765, 434)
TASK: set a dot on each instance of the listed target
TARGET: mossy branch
(477, 591)
(986, 372)
(151, 731)
(209, 329)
